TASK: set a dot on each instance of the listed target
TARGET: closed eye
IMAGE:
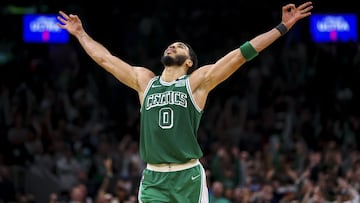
(181, 45)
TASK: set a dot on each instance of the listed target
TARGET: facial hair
(178, 60)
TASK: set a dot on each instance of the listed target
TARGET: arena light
(42, 28)
(334, 27)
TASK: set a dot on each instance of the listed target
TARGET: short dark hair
(193, 58)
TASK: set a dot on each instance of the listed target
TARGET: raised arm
(204, 79)
(134, 77)
(290, 15)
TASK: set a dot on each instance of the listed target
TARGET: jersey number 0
(166, 118)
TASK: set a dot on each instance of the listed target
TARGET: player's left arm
(207, 77)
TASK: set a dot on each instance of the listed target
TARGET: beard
(178, 60)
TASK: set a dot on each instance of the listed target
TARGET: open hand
(291, 14)
(71, 23)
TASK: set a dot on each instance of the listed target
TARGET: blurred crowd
(284, 129)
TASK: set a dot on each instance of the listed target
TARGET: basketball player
(172, 104)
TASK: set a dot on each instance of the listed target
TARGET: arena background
(318, 82)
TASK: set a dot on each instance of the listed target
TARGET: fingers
(307, 9)
(74, 17)
(65, 18)
(62, 20)
(306, 5)
(288, 7)
(304, 8)
(64, 15)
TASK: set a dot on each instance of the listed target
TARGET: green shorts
(184, 186)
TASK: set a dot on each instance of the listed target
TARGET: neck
(171, 73)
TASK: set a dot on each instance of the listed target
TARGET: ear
(189, 62)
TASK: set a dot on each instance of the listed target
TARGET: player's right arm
(134, 77)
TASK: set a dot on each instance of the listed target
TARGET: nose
(171, 48)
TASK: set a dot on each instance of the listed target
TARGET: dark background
(138, 32)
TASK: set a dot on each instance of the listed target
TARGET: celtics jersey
(169, 122)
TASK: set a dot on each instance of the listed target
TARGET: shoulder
(146, 72)
(143, 76)
(199, 78)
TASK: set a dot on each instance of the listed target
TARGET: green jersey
(169, 122)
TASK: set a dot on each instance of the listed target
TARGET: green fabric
(169, 123)
(175, 187)
(248, 51)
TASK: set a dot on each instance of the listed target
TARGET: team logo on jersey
(165, 98)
